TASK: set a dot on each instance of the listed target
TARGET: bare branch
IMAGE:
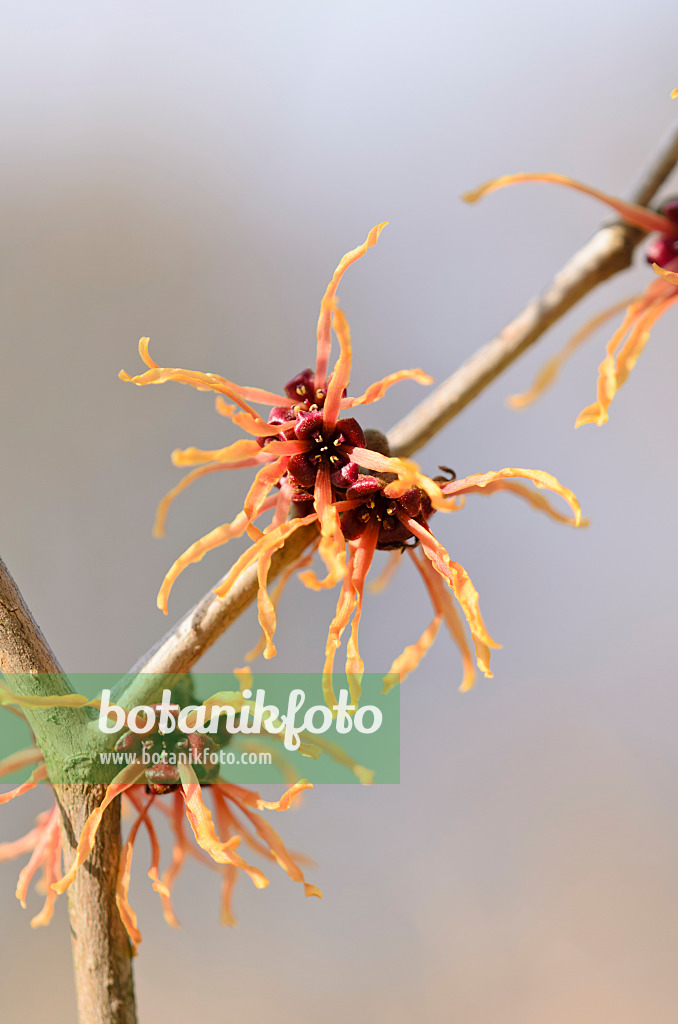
(608, 252)
(23, 648)
(102, 957)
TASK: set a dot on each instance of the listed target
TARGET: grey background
(194, 172)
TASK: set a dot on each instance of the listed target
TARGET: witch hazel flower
(305, 450)
(641, 311)
(390, 510)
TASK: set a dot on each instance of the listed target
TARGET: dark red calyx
(303, 470)
(661, 251)
(363, 487)
(350, 432)
(670, 209)
(302, 387)
(345, 476)
(309, 425)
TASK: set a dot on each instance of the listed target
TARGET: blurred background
(194, 172)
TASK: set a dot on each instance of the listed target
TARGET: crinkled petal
(200, 820)
(279, 851)
(624, 348)
(464, 591)
(122, 781)
(341, 373)
(145, 354)
(548, 374)
(364, 553)
(38, 775)
(668, 275)
(243, 449)
(441, 599)
(345, 606)
(379, 388)
(282, 582)
(127, 914)
(639, 216)
(324, 340)
(252, 424)
(413, 653)
(491, 482)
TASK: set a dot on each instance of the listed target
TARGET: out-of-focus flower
(144, 788)
(235, 808)
(43, 841)
(642, 312)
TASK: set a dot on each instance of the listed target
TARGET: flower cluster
(641, 311)
(325, 469)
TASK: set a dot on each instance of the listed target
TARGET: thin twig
(608, 252)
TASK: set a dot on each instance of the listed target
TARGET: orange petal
(345, 605)
(632, 348)
(214, 539)
(122, 781)
(39, 853)
(379, 388)
(236, 452)
(616, 365)
(364, 553)
(441, 598)
(50, 872)
(38, 775)
(639, 216)
(200, 820)
(279, 851)
(548, 374)
(178, 857)
(668, 275)
(413, 653)
(324, 341)
(266, 478)
(226, 915)
(341, 373)
(145, 354)
(674, 94)
(490, 482)
(265, 606)
(205, 382)
(332, 546)
(275, 598)
(127, 915)
(252, 424)
(464, 591)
